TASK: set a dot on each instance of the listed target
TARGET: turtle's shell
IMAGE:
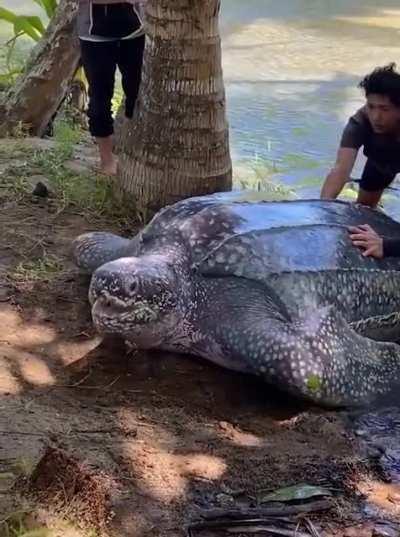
(228, 235)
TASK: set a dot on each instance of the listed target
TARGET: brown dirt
(175, 434)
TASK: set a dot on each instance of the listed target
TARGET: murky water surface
(291, 72)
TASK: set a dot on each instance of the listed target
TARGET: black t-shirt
(382, 149)
(391, 247)
(114, 20)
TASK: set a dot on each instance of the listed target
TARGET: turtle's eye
(133, 287)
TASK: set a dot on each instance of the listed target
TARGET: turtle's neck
(170, 246)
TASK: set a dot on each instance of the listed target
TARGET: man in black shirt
(375, 127)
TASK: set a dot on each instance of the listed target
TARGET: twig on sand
(79, 384)
(272, 520)
(21, 433)
(276, 510)
(310, 526)
(81, 381)
(264, 526)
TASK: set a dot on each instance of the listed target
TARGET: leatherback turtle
(274, 289)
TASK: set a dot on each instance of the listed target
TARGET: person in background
(376, 127)
(111, 35)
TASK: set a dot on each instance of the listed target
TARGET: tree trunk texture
(37, 94)
(177, 144)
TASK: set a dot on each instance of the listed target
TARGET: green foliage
(29, 25)
(7, 78)
(258, 175)
(21, 531)
(88, 192)
(13, 525)
(118, 96)
(32, 27)
(49, 6)
(42, 269)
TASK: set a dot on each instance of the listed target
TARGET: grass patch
(14, 184)
(30, 519)
(90, 192)
(61, 164)
(15, 527)
(43, 269)
(87, 192)
(258, 175)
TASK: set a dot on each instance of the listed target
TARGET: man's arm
(366, 238)
(340, 173)
(372, 244)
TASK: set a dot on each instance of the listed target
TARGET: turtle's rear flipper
(318, 357)
(91, 250)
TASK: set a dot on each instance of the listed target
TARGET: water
(291, 69)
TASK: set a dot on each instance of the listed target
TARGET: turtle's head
(136, 298)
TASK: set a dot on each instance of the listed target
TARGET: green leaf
(23, 24)
(49, 6)
(303, 491)
(37, 23)
(7, 15)
(29, 24)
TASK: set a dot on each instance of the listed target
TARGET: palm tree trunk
(37, 94)
(177, 144)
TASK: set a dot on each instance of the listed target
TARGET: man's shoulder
(357, 130)
(361, 118)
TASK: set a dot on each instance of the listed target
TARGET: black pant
(100, 61)
(377, 177)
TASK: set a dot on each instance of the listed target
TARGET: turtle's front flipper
(91, 250)
(318, 357)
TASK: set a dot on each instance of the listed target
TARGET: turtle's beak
(108, 303)
(107, 309)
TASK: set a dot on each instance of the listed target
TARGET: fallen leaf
(295, 493)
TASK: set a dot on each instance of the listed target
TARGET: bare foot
(108, 160)
(109, 167)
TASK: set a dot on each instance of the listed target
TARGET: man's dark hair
(383, 81)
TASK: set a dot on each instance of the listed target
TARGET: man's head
(382, 91)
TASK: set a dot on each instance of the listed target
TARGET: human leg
(99, 61)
